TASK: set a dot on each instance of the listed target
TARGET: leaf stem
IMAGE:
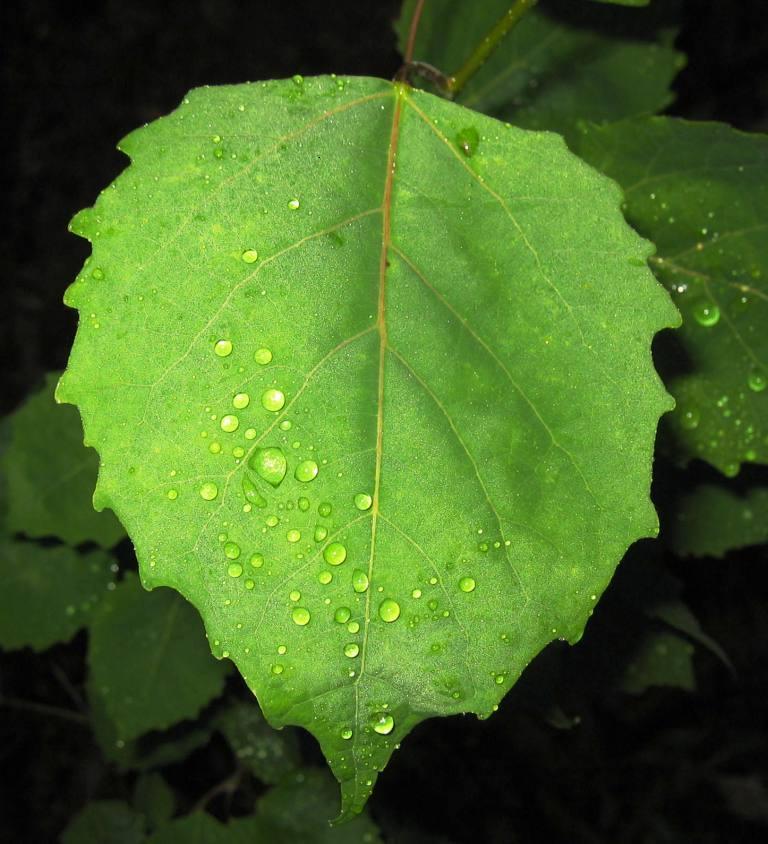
(479, 56)
(414, 28)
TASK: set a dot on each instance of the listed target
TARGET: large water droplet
(273, 400)
(270, 464)
(351, 650)
(359, 580)
(342, 615)
(223, 348)
(335, 554)
(389, 610)
(346, 734)
(467, 140)
(232, 550)
(383, 723)
(234, 570)
(209, 491)
(306, 471)
(300, 616)
(706, 313)
(229, 423)
(251, 493)
(363, 501)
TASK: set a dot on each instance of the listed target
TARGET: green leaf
(49, 475)
(663, 659)
(105, 822)
(149, 660)
(154, 799)
(48, 594)
(197, 828)
(451, 433)
(270, 754)
(562, 64)
(700, 192)
(625, 2)
(712, 520)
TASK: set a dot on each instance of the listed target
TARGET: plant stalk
(486, 47)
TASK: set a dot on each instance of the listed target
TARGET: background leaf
(50, 475)
(350, 410)
(700, 192)
(48, 594)
(563, 63)
(105, 821)
(149, 660)
(154, 799)
(663, 659)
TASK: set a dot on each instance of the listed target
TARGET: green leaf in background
(154, 799)
(700, 192)
(625, 2)
(270, 754)
(387, 420)
(48, 594)
(49, 475)
(149, 659)
(563, 63)
(712, 520)
(105, 822)
(663, 659)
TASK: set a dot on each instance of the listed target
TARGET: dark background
(668, 766)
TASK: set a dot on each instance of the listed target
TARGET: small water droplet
(286, 425)
(359, 580)
(467, 140)
(389, 610)
(325, 577)
(306, 471)
(342, 615)
(706, 313)
(293, 535)
(172, 494)
(335, 554)
(249, 584)
(223, 348)
(270, 464)
(295, 595)
(690, 419)
(382, 723)
(300, 616)
(273, 400)
(249, 256)
(277, 668)
(320, 533)
(416, 593)
(294, 204)
(324, 509)
(257, 560)
(272, 521)
(346, 734)
(351, 650)
(262, 356)
(757, 381)
(214, 448)
(232, 550)
(363, 501)
(353, 627)
(241, 401)
(251, 493)
(229, 423)
(209, 491)
(234, 570)
(467, 584)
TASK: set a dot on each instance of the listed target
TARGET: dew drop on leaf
(342, 615)
(324, 509)
(229, 423)
(363, 501)
(234, 570)
(467, 584)
(353, 627)
(335, 554)
(249, 256)
(467, 140)
(257, 560)
(262, 357)
(325, 577)
(757, 381)
(690, 419)
(389, 610)
(306, 471)
(241, 401)
(346, 734)
(383, 723)
(232, 550)
(294, 204)
(209, 491)
(359, 580)
(706, 313)
(277, 668)
(351, 650)
(320, 533)
(269, 464)
(223, 348)
(172, 494)
(273, 400)
(293, 535)
(300, 616)
(251, 493)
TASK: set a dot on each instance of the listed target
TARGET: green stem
(458, 80)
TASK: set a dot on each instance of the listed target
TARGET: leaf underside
(458, 321)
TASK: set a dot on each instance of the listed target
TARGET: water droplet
(273, 400)
(250, 433)
(416, 593)
(467, 584)
(306, 471)
(363, 501)
(342, 615)
(270, 464)
(249, 256)
(286, 425)
(346, 734)
(389, 610)
(229, 423)
(303, 504)
(294, 204)
(757, 381)
(351, 650)
(467, 140)
(335, 554)
(300, 616)
(238, 451)
(263, 356)
(214, 448)
(298, 79)
(325, 577)
(706, 313)
(359, 580)
(324, 509)
(353, 627)
(277, 668)
(249, 584)
(223, 348)
(272, 521)
(293, 535)
(383, 723)
(295, 595)
(209, 491)
(252, 495)
(320, 533)
(172, 494)
(690, 419)
(232, 550)
(241, 401)
(257, 560)
(234, 570)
